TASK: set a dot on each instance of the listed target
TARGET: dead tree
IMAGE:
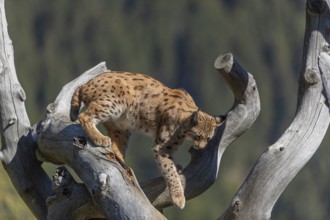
(110, 189)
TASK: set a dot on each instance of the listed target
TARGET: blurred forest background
(176, 41)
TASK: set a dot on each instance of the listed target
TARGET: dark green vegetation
(176, 42)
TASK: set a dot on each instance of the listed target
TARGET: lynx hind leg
(163, 156)
(88, 120)
(119, 139)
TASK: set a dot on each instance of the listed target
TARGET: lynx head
(202, 128)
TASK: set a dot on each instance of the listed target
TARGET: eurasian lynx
(126, 102)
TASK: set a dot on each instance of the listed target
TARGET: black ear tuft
(194, 118)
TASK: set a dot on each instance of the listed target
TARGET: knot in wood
(316, 6)
(80, 142)
(12, 121)
(103, 181)
(311, 77)
(326, 48)
(21, 94)
(237, 207)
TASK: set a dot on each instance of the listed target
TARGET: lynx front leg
(88, 122)
(171, 176)
(163, 151)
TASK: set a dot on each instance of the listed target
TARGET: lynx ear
(194, 118)
(219, 119)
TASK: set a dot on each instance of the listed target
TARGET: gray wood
(280, 163)
(17, 143)
(110, 189)
(70, 199)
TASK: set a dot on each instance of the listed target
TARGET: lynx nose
(200, 145)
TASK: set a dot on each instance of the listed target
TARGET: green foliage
(176, 42)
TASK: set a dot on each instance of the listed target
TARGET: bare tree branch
(280, 163)
(18, 145)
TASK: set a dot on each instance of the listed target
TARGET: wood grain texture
(281, 162)
(18, 144)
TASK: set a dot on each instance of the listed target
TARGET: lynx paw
(178, 200)
(103, 141)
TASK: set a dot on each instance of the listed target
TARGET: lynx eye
(198, 137)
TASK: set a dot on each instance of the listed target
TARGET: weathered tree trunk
(110, 189)
(18, 143)
(280, 163)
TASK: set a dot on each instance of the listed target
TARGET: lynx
(125, 102)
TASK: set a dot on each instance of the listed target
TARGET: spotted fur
(125, 102)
